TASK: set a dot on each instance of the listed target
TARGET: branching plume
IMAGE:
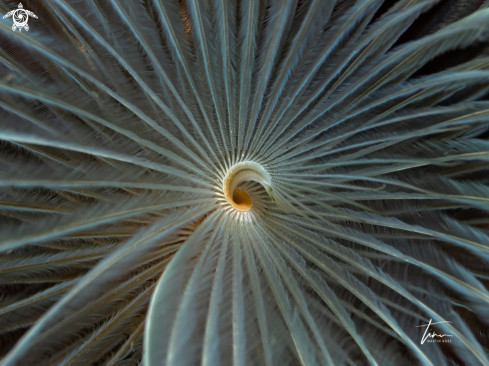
(259, 182)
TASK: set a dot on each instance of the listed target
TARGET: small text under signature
(427, 335)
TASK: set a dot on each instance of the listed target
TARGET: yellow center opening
(241, 200)
(239, 173)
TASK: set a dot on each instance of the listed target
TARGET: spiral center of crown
(238, 174)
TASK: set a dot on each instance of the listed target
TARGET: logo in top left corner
(20, 17)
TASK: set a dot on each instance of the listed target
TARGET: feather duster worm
(213, 182)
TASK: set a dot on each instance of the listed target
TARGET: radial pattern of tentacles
(245, 182)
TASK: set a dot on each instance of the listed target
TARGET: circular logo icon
(20, 17)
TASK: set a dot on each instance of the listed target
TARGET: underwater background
(244, 182)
